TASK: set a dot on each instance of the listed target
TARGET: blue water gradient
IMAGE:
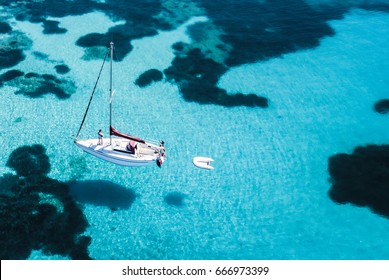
(268, 196)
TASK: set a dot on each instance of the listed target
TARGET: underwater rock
(140, 22)
(5, 28)
(195, 66)
(197, 77)
(40, 55)
(51, 27)
(10, 57)
(39, 11)
(45, 84)
(38, 213)
(139, 17)
(31, 75)
(361, 178)
(36, 85)
(122, 43)
(10, 75)
(382, 106)
(12, 45)
(62, 69)
(29, 160)
(179, 46)
(148, 77)
(260, 30)
(94, 53)
(18, 120)
(257, 31)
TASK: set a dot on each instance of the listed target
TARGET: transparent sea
(268, 196)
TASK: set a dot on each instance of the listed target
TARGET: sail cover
(115, 132)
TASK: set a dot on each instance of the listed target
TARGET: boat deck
(142, 149)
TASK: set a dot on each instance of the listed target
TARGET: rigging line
(93, 92)
(114, 57)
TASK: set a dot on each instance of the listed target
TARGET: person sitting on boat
(100, 136)
(136, 149)
(162, 148)
(161, 157)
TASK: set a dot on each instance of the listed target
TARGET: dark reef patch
(361, 178)
(260, 30)
(36, 85)
(94, 53)
(197, 77)
(255, 31)
(102, 193)
(47, 84)
(382, 106)
(148, 77)
(197, 31)
(40, 55)
(251, 31)
(179, 47)
(5, 27)
(38, 213)
(29, 160)
(10, 75)
(122, 43)
(52, 27)
(62, 69)
(10, 57)
(31, 75)
(38, 11)
(13, 43)
(140, 19)
(175, 199)
(381, 6)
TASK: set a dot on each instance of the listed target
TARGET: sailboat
(122, 149)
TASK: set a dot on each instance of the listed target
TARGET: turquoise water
(267, 197)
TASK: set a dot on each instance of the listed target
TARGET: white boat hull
(203, 162)
(117, 154)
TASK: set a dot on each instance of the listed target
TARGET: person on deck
(162, 148)
(100, 136)
(136, 149)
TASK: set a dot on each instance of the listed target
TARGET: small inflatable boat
(203, 162)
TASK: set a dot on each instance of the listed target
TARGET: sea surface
(279, 93)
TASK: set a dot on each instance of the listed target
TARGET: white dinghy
(203, 162)
(122, 149)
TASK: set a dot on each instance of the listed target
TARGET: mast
(110, 93)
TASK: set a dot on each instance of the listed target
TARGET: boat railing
(147, 140)
(152, 141)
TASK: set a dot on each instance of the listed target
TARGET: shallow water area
(267, 197)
